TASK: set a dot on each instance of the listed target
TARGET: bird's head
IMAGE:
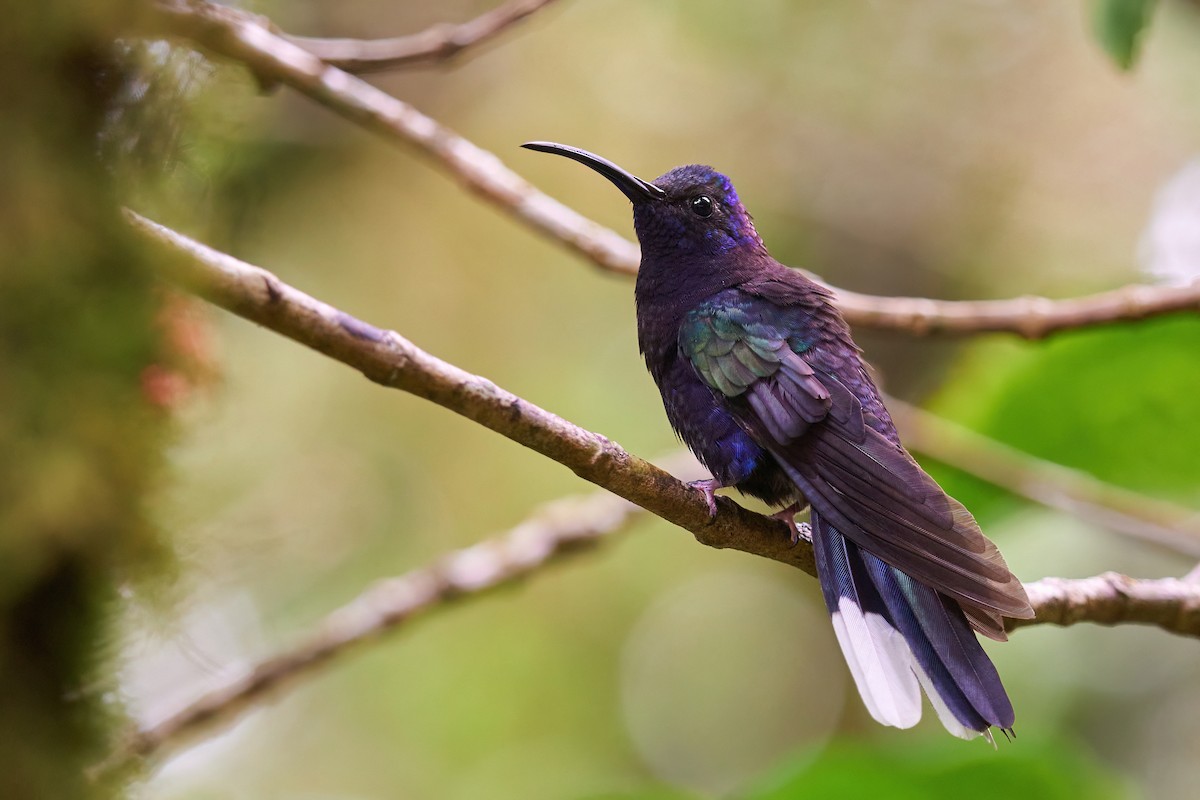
(689, 211)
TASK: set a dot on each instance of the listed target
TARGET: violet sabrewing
(761, 379)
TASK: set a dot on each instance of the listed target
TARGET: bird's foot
(708, 488)
(797, 531)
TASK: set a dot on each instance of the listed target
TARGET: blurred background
(984, 148)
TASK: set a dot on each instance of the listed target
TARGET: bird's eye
(702, 205)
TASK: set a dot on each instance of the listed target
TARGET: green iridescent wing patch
(737, 349)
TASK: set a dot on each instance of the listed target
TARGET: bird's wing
(792, 396)
(742, 351)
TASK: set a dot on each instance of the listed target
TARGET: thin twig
(1029, 317)
(1151, 520)
(247, 39)
(431, 46)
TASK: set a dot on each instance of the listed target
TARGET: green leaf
(1119, 25)
(1118, 403)
(906, 771)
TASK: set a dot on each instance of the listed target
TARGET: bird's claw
(708, 488)
(796, 531)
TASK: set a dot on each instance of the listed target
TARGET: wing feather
(792, 396)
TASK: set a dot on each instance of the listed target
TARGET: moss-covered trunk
(78, 443)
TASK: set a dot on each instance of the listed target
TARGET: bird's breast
(703, 420)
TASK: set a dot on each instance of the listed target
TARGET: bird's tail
(899, 636)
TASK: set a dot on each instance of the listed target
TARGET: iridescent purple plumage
(760, 378)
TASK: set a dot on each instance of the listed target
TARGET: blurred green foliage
(1114, 402)
(1043, 770)
(1120, 26)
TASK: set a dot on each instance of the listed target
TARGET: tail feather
(898, 634)
(878, 656)
(945, 714)
(957, 672)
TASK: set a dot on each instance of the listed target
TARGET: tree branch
(391, 360)
(244, 38)
(1172, 604)
(1028, 317)
(563, 528)
(558, 530)
(1145, 518)
(239, 36)
(433, 45)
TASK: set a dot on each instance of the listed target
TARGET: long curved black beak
(636, 189)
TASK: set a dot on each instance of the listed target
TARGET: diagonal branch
(239, 36)
(1158, 522)
(433, 45)
(558, 530)
(391, 360)
(563, 528)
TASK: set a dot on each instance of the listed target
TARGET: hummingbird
(761, 379)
